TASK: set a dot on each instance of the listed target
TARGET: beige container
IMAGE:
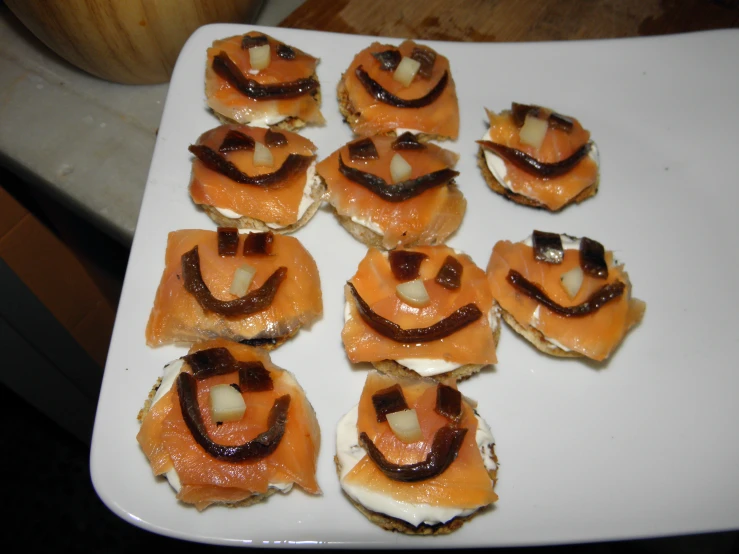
(126, 41)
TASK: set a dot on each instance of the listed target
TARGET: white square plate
(642, 446)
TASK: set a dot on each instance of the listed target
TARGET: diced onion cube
(533, 131)
(226, 403)
(259, 56)
(413, 293)
(400, 170)
(262, 155)
(405, 425)
(406, 71)
(572, 281)
(242, 279)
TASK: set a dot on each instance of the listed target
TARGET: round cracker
(255, 498)
(390, 523)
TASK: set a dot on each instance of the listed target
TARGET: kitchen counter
(89, 142)
(86, 141)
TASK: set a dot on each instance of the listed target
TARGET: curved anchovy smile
(230, 72)
(459, 319)
(380, 93)
(531, 165)
(399, 192)
(259, 447)
(256, 301)
(293, 164)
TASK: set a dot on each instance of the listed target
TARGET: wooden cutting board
(513, 20)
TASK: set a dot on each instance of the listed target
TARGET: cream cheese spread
(268, 115)
(349, 453)
(369, 224)
(267, 119)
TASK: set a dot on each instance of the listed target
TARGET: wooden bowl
(133, 42)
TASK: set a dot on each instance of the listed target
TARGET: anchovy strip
(226, 69)
(293, 164)
(399, 192)
(256, 301)
(459, 319)
(531, 165)
(444, 449)
(596, 300)
(380, 93)
(259, 447)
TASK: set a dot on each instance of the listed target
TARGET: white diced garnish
(413, 293)
(405, 425)
(406, 71)
(226, 403)
(533, 131)
(259, 56)
(242, 279)
(262, 155)
(572, 281)
(400, 170)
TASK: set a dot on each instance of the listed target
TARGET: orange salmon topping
(168, 443)
(428, 218)
(228, 101)
(441, 117)
(558, 145)
(275, 204)
(178, 317)
(465, 484)
(595, 335)
(375, 282)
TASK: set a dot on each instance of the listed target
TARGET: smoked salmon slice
(466, 485)
(287, 66)
(525, 187)
(170, 446)
(282, 206)
(371, 114)
(178, 316)
(595, 335)
(429, 217)
(376, 284)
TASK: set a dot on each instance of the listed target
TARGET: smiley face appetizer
(415, 457)
(539, 158)
(389, 192)
(391, 89)
(258, 289)
(256, 80)
(226, 426)
(567, 296)
(256, 179)
(424, 311)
